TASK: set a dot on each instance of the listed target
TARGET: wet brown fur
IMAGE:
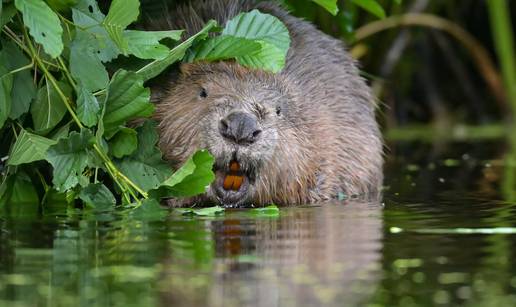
(328, 140)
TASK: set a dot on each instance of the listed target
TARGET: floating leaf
(269, 211)
(43, 24)
(210, 211)
(145, 166)
(69, 157)
(121, 14)
(48, 109)
(123, 143)
(154, 68)
(29, 148)
(127, 99)
(329, 5)
(145, 44)
(371, 6)
(193, 177)
(88, 107)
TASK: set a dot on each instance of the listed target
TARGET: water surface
(440, 236)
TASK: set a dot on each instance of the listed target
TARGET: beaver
(306, 134)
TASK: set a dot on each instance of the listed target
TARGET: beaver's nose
(241, 128)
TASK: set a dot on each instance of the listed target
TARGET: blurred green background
(435, 65)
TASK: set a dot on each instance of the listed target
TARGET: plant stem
(124, 183)
(503, 37)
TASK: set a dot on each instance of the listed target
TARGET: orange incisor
(233, 180)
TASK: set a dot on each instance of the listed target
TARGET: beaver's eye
(278, 110)
(203, 93)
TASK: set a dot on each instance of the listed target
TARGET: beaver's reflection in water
(327, 255)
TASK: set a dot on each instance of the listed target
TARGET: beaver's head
(244, 118)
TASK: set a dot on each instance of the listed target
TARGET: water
(419, 246)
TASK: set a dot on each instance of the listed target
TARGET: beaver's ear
(187, 69)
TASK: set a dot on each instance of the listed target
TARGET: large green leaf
(266, 29)
(154, 68)
(98, 197)
(267, 58)
(28, 148)
(43, 24)
(224, 47)
(23, 88)
(145, 166)
(48, 109)
(193, 177)
(145, 44)
(121, 14)
(372, 6)
(123, 143)
(69, 157)
(88, 17)
(88, 107)
(85, 64)
(127, 99)
(6, 84)
(329, 5)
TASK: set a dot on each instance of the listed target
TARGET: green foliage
(64, 112)
(372, 6)
(28, 148)
(192, 178)
(329, 5)
(43, 23)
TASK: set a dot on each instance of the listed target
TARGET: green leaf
(371, 6)
(329, 5)
(61, 5)
(154, 68)
(121, 14)
(87, 16)
(145, 44)
(6, 84)
(48, 109)
(18, 196)
(88, 107)
(210, 211)
(224, 47)
(85, 64)
(145, 166)
(266, 29)
(127, 99)
(7, 14)
(123, 143)
(28, 148)
(267, 58)
(24, 89)
(43, 24)
(269, 211)
(69, 157)
(193, 177)
(98, 197)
